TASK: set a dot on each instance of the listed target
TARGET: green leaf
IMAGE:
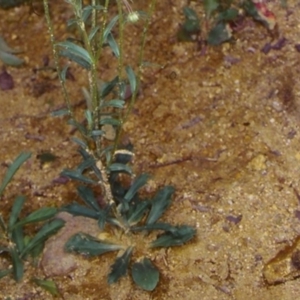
(48, 285)
(74, 51)
(86, 12)
(60, 112)
(138, 212)
(210, 6)
(37, 250)
(116, 167)
(87, 245)
(63, 73)
(145, 274)
(77, 125)
(132, 79)
(43, 234)
(5, 48)
(176, 237)
(110, 121)
(13, 168)
(120, 266)
(39, 215)
(17, 237)
(10, 59)
(114, 103)
(79, 210)
(138, 183)
(15, 211)
(88, 197)
(18, 267)
(79, 142)
(5, 272)
(159, 204)
(228, 15)
(107, 87)
(218, 35)
(192, 22)
(93, 32)
(76, 175)
(96, 133)
(110, 26)
(113, 45)
(89, 118)
(78, 59)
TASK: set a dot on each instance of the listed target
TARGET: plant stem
(140, 65)
(56, 59)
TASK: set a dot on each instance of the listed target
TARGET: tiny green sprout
(133, 17)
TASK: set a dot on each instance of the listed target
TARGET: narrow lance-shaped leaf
(60, 112)
(39, 215)
(10, 59)
(79, 210)
(93, 32)
(114, 103)
(76, 50)
(47, 285)
(160, 203)
(5, 272)
(87, 245)
(43, 234)
(78, 59)
(176, 237)
(120, 266)
(136, 185)
(15, 211)
(18, 267)
(5, 48)
(13, 168)
(138, 213)
(131, 78)
(110, 26)
(145, 274)
(88, 197)
(110, 121)
(17, 237)
(107, 87)
(113, 45)
(76, 175)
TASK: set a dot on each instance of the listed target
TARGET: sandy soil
(221, 125)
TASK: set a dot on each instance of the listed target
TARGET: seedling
(130, 215)
(13, 241)
(221, 19)
(122, 212)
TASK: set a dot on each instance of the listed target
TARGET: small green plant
(7, 54)
(222, 17)
(122, 215)
(128, 217)
(14, 244)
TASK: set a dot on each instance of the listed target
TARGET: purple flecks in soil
(61, 180)
(266, 48)
(233, 219)
(297, 214)
(280, 44)
(297, 47)
(6, 81)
